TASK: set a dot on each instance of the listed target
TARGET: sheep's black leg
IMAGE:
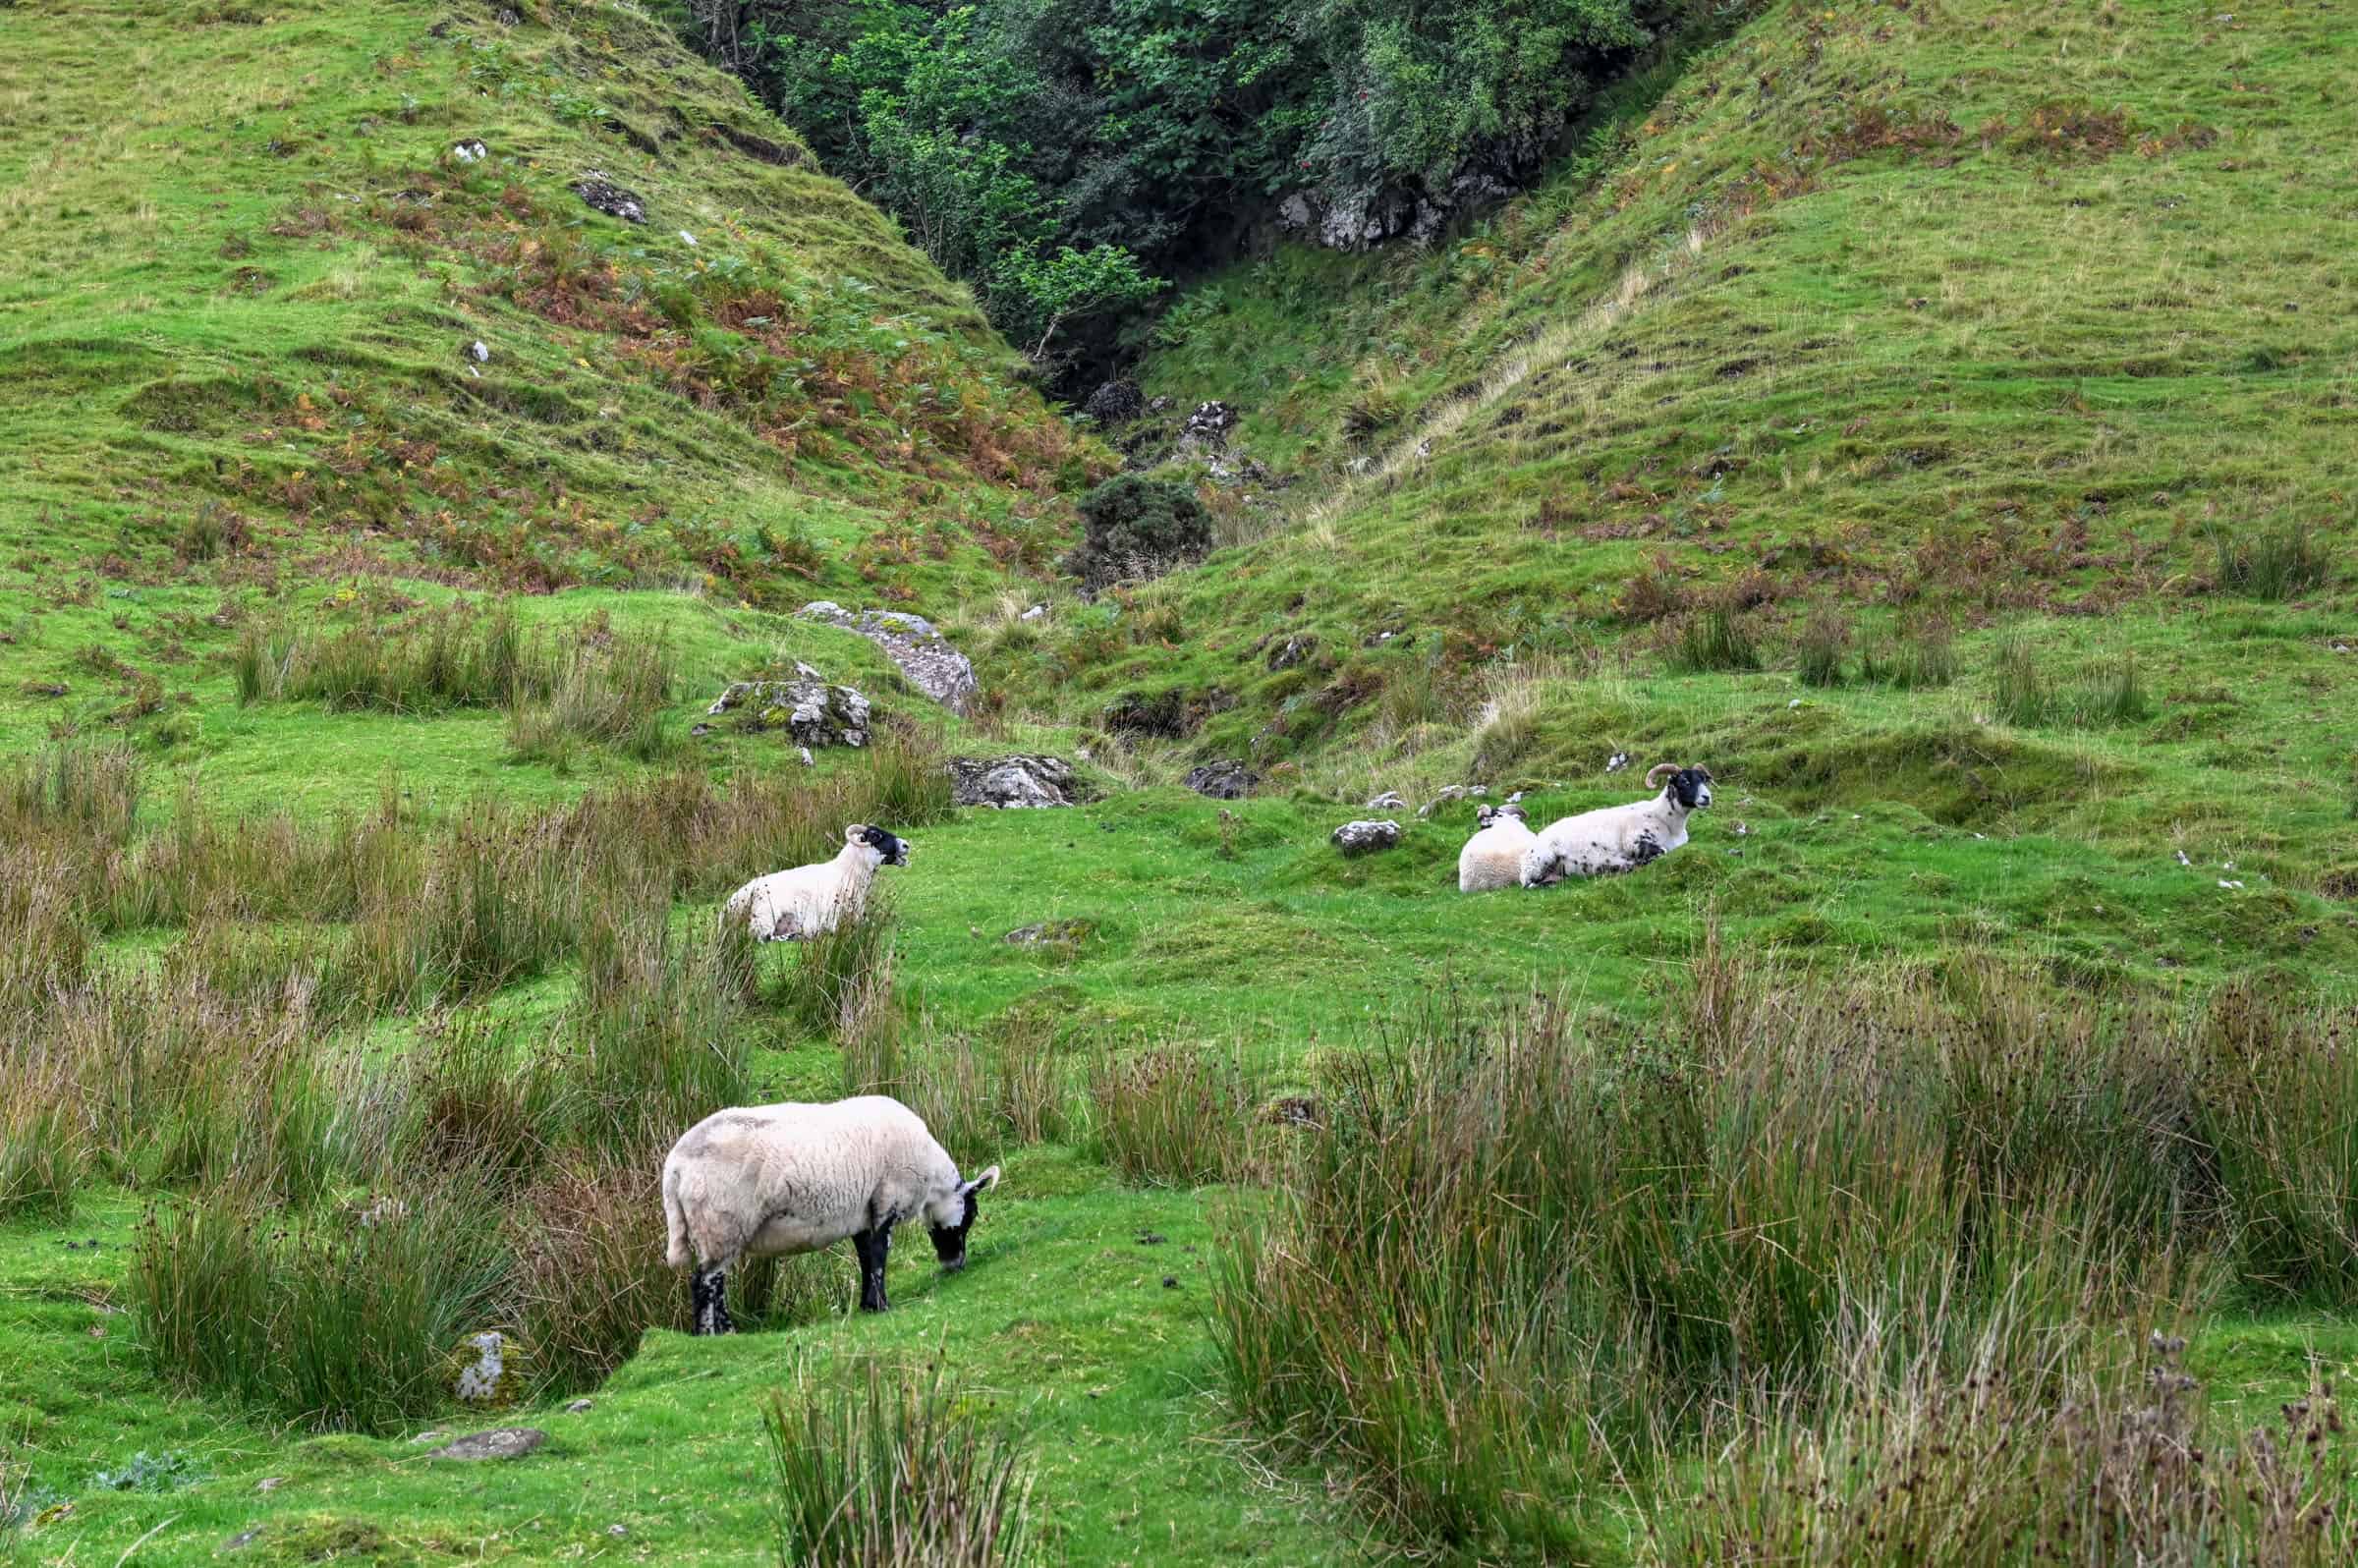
(708, 1301)
(875, 1247)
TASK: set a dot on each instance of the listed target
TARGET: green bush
(1135, 528)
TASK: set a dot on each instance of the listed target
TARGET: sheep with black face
(773, 1180)
(794, 906)
(1619, 838)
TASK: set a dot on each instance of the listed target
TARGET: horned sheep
(774, 1180)
(1619, 838)
(1493, 857)
(808, 900)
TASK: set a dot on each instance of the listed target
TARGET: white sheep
(794, 906)
(1619, 838)
(771, 1180)
(1493, 857)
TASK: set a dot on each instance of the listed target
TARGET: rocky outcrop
(1012, 783)
(1114, 403)
(1207, 429)
(913, 643)
(810, 710)
(1226, 780)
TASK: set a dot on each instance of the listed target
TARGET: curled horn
(1657, 775)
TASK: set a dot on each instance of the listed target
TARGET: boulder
(501, 1442)
(485, 1379)
(1011, 783)
(913, 643)
(1367, 837)
(610, 199)
(1226, 780)
(813, 712)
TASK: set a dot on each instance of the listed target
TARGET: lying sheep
(810, 901)
(767, 1180)
(1493, 857)
(1619, 838)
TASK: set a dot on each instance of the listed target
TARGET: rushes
(1916, 658)
(1715, 640)
(2275, 564)
(2022, 694)
(890, 1468)
(1174, 1117)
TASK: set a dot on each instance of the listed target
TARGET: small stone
(804, 751)
(1039, 612)
(1061, 933)
(577, 1407)
(687, 239)
(270, 1484)
(501, 1442)
(616, 1531)
(1365, 837)
(241, 1540)
(434, 1437)
(1151, 1237)
(471, 151)
(1170, 1281)
(1388, 801)
(479, 351)
(1617, 763)
(699, 729)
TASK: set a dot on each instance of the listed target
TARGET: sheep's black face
(1691, 787)
(894, 850)
(949, 1241)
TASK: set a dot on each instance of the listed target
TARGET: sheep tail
(675, 1218)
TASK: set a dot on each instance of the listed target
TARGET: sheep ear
(982, 1183)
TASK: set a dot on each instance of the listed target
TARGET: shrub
(2274, 564)
(1716, 639)
(888, 1467)
(1135, 528)
(1172, 1116)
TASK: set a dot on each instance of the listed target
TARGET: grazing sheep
(765, 1180)
(810, 901)
(1493, 857)
(1619, 838)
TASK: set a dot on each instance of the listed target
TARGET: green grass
(1970, 504)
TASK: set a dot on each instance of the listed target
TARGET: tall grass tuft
(613, 696)
(2275, 564)
(1173, 1116)
(2104, 1455)
(1825, 640)
(889, 1468)
(1714, 640)
(340, 1321)
(1915, 658)
(829, 976)
(1587, 1237)
(42, 1159)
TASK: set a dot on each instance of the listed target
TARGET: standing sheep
(1619, 838)
(1493, 857)
(770, 1180)
(794, 906)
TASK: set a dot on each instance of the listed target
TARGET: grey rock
(577, 1407)
(1365, 837)
(471, 151)
(1225, 780)
(270, 1484)
(1011, 783)
(610, 199)
(479, 351)
(1388, 801)
(913, 643)
(1292, 651)
(484, 1381)
(1453, 792)
(501, 1442)
(241, 1540)
(1037, 612)
(1052, 933)
(433, 1435)
(804, 753)
(813, 712)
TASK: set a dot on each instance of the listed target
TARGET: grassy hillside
(1934, 418)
